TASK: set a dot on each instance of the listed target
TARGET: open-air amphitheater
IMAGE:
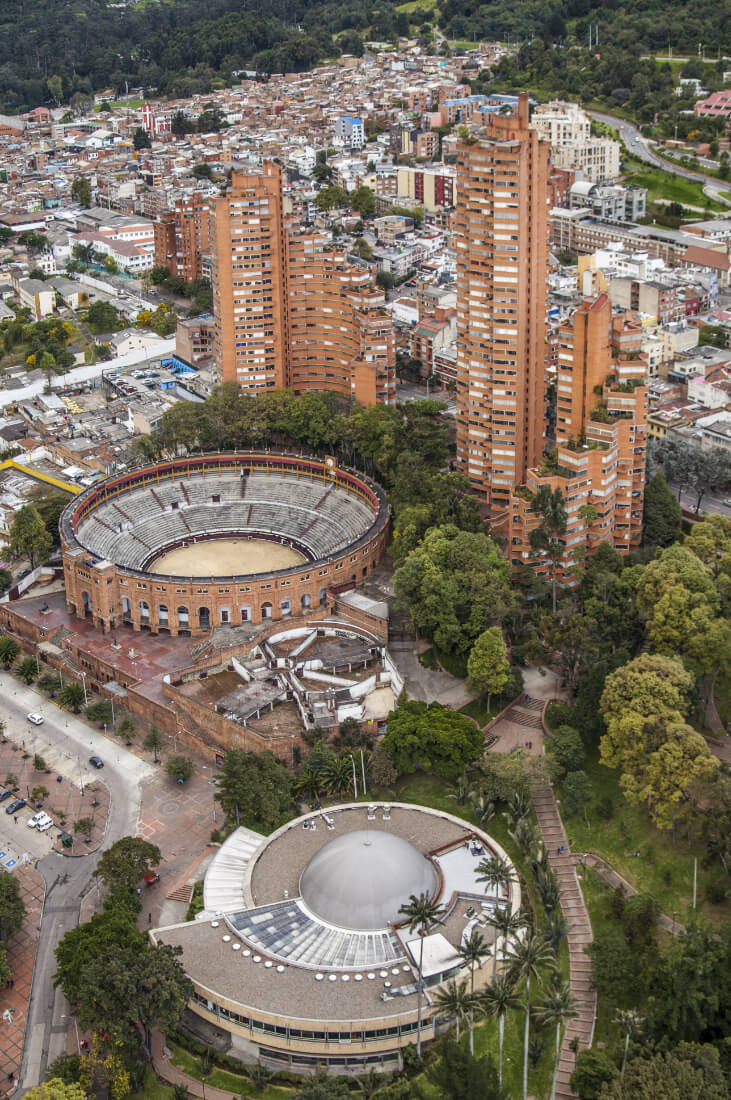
(184, 546)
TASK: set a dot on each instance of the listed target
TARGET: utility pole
(355, 781)
(362, 770)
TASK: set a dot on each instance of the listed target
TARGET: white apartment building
(568, 129)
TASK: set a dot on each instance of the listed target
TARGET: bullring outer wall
(95, 589)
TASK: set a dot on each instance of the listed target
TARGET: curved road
(67, 880)
(639, 147)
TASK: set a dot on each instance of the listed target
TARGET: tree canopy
(124, 865)
(432, 738)
(29, 536)
(456, 584)
(255, 790)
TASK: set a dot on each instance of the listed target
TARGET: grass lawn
(597, 896)
(478, 710)
(223, 1078)
(665, 185)
(664, 867)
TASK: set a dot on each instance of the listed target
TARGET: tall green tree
(12, 907)
(661, 524)
(255, 789)
(548, 538)
(456, 1075)
(495, 1000)
(456, 585)
(528, 956)
(488, 668)
(473, 951)
(127, 862)
(110, 930)
(557, 1007)
(420, 914)
(28, 536)
(431, 738)
(454, 999)
(81, 190)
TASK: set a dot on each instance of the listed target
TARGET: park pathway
(574, 910)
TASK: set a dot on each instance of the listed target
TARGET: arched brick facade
(114, 594)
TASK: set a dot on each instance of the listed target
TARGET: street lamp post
(355, 781)
(83, 681)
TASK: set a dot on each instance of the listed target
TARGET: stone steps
(563, 864)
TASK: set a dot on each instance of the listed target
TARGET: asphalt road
(709, 505)
(70, 742)
(639, 148)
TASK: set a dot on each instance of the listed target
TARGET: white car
(40, 821)
(36, 719)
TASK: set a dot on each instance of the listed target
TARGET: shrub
(558, 714)
(605, 808)
(39, 763)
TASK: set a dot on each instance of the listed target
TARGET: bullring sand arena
(227, 557)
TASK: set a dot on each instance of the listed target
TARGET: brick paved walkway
(165, 1069)
(21, 956)
(580, 935)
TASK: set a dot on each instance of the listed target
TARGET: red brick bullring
(112, 593)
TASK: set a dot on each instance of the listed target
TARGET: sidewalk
(21, 956)
(165, 1070)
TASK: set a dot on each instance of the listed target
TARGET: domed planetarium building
(301, 959)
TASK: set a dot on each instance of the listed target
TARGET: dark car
(96, 761)
(18, 804)
(5, 793)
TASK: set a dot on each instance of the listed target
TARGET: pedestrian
(149, 918)
(139, 892)
(15, 819)
(11, 983)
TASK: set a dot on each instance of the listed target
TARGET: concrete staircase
(577, 918)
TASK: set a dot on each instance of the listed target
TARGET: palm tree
(548, 537)
(495, 871)
(482, 808)
(629, 1021)
(495, 1000)
(421, 914)
(309, 784)
(555, 932)
(338, 774)
(527, 957)
(524, 835)
(506, 924)
(518, 807)
(461, 789)
(549, 890)
(454, 999)
(473, 951)
(557, 1007)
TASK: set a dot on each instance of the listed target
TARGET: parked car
(5, 793)
(38, 820)
(36, 719)
(18, 804)
(96, 761)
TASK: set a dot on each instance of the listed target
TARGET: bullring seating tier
(320, 519)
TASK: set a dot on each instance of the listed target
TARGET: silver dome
(360, 880)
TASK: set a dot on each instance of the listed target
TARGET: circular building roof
(361, 879)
